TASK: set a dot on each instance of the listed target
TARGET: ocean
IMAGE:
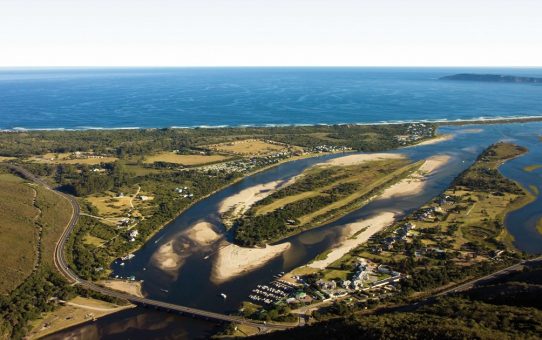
(93, 98)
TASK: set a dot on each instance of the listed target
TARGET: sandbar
(233, 260)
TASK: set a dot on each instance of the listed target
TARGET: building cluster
(414, 133)
(184, 192)
(329, 148)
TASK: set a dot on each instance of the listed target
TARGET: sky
(270, 33)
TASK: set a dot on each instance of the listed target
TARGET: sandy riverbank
(239, 203)
(233, 260)
(364, 229)
(438, 139)
(130, 287)
(361, 158)
(415, 182)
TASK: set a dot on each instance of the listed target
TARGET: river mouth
(177, 269)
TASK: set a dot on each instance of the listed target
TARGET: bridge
(63, 267)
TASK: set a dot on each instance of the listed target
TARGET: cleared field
(17, 231)
(172, 157)
(111, 208)
(68, 158)
(95, 241)
(75, 311)
(3, 159)
(248, 147)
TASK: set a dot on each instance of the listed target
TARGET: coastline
(439, 122)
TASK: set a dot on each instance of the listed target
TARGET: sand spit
(233, 260)
(365, 228)
(361, 158)
(438, 139)
(415, 182)
(130, 287)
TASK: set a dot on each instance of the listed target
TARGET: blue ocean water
(188, 97)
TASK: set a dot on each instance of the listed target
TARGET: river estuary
(190, 283)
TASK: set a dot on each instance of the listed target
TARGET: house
(144, 198)
(133, 234)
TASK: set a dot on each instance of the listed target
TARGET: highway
(63, 267)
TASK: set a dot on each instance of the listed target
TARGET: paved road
(62, 266)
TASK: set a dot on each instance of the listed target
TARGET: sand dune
(233, 260)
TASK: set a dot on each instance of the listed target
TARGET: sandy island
(233, 260)
(130, 287)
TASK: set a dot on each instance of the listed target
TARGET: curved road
(62, 265)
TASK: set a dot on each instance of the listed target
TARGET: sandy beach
(130, 287)
(415, 182)
(239, 203)
(233, 260)
(438, 139)
(366, 229)
(361, 158)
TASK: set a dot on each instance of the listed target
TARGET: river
(190, 285)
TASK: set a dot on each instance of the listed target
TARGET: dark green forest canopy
(144, 141)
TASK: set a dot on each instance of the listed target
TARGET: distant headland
(494, 78)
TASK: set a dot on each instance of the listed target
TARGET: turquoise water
(177, 97)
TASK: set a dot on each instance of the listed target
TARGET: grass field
(77, 310)
(248, 147)
(113, 207)
(67, 158)
(188, 160)
(17, 231)
(3, 159)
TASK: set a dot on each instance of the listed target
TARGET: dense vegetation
(134, 143)
(509, 307)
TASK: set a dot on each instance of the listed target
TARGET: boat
(127, 257)
(165, 290)
(223, 295)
